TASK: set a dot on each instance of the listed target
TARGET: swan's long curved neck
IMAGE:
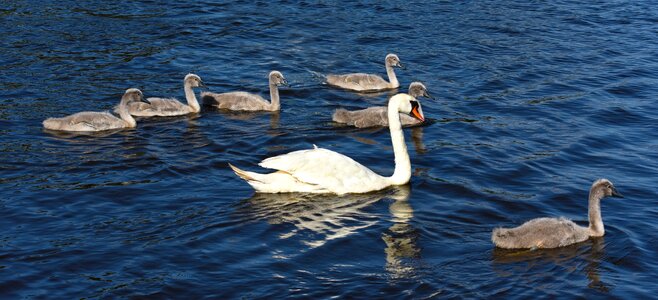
(402, 172)
(274, 97)
(392, 79)
(125, 114)
(594, 211)
(191, 99)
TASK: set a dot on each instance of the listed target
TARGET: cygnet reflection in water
(569, 258)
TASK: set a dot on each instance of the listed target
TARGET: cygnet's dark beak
(142, 99)
(615, 193)
(426, 94)
(202, 85)
(399, 65)
(284, 82)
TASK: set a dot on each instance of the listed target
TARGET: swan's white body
(362, 82)
(169, 106)
(378, 115)
(557, 232)
(97, 121)
(324, 171)
(243, 101)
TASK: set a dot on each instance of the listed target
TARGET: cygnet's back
(243, 101)
(540, 233)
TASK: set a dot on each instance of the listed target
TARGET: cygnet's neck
(392, 79)
(594, 211)
(274, 97)
(124, 113)
(191, 98)
(402, 172)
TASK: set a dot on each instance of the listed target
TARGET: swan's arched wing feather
(332, 170)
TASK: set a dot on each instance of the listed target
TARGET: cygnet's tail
(341, 115)
(503, 238)
(51, 123)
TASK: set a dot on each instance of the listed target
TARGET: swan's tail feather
(242, 173)
(341, 116)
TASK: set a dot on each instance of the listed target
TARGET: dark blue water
(534, 102)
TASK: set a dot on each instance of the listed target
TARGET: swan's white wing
(331, 170)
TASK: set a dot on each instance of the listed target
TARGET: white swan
(243, 101)
(324, 171)
(98, 121)
(378, 115)
(362, 82)
(169, 106)
(557, 232)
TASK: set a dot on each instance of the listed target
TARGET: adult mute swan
(378, 115)
(362, 82)
(98, 121)
(324, 171)
(557, 232)
(243, 101)
(169, 106)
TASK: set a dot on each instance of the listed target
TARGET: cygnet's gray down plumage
(362, 82)
(169, 106)
(243, 101)
(557, 232)
(377, 115)
(98, 121)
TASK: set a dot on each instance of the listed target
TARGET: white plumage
(321, 170)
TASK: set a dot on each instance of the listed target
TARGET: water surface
(534, 102)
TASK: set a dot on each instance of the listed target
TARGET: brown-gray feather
(235, 101)
(370, 117)
(540, 233)
(85, 121)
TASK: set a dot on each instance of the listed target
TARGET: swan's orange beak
(415, 112)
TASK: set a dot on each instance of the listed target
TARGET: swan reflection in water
(331, 217)
(591, 251)
(401, 237)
